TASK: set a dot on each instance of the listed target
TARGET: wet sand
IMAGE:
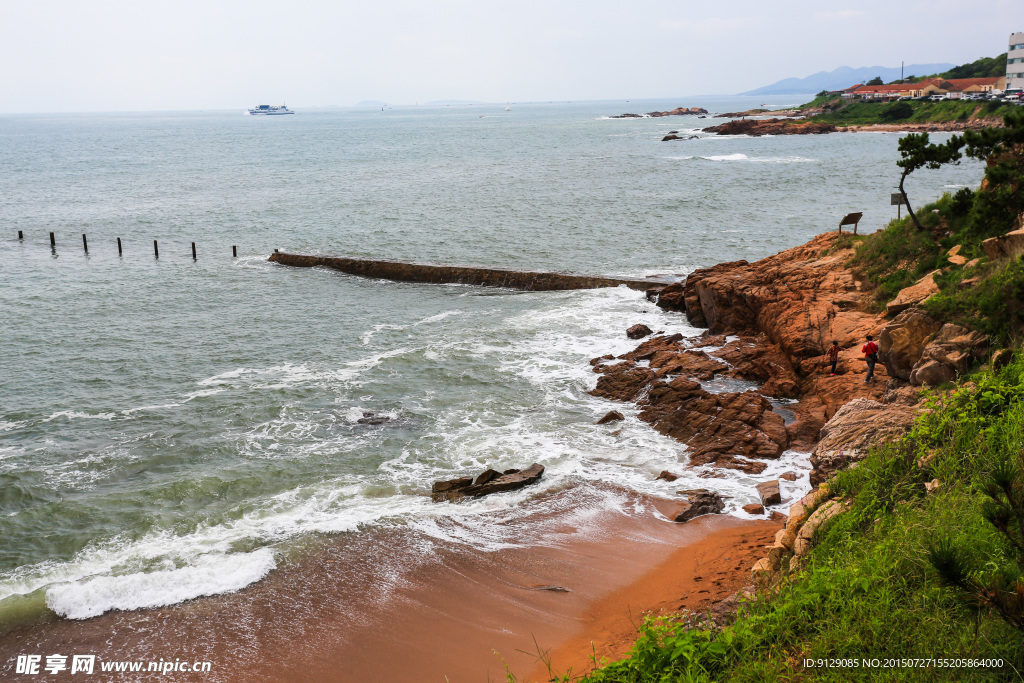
(385, 606)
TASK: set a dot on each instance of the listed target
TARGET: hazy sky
(116, 55)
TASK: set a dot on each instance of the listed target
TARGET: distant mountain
(844, 77)
(371, 103)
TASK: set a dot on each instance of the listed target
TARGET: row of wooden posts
(156, 247)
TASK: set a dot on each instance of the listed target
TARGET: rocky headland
(769, 323)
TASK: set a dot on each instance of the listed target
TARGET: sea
(173, 428)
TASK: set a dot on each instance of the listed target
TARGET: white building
(1015, 61)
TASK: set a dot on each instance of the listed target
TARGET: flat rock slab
(457, 489)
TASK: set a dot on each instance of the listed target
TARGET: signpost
(896, 199)
(850, 219)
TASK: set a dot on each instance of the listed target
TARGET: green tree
(877, 80)
(916, 152)
(1000, 584)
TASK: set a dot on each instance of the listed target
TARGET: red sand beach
(457, 615)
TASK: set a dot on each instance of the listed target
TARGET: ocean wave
(207, 575)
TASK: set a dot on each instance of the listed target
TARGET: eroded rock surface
(860, 424)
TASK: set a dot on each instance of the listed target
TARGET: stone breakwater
(405, 271)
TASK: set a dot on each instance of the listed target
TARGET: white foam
(207, 575)
(764, 160)
(75, 415)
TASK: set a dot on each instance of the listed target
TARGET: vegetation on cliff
(984, 294)
(870, 591)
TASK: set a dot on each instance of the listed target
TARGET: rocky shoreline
(770, 322)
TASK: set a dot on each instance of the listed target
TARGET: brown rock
(798, 298)
(1011, 244)
(899, 391)
(622, 381)
(698, 502)
(769, 492)
(914, 295)
(757, 127)
(690, 362)
(611, 416)
(789, 476)
(902, 342)
(638, 331)
(777, 516)
(857, 426)
(655, 345)
(969, 282)
(670, 298)
(754, 509)
(931, 373)
(667, 476)
(456, 489)
(715, 425)
(759, 360)
(957, 260)
(486, 476)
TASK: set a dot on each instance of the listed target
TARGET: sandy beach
(459, 616)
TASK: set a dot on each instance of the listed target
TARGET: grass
(868, 591)
(840, 112)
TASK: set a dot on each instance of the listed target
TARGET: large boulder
(949, 354)
(851, 432)
(769, 492)
(638, 331)
(931, 373)
(914, 295)
(488, 482)
(902, 342)
(1010, 244)
(698, 502)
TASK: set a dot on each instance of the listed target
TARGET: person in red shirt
(832, 356)
(870, 351)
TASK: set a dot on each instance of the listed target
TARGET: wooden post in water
(53, 241)
(193, 251)
(21, 235)
(234, 251)
(85, 243)
(119, 246)
(156, 250)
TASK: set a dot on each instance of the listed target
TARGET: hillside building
(1015, 61)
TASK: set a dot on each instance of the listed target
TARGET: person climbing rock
(832, 356)
(870, 351)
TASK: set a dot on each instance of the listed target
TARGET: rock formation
(776, 126)
(922, 351)
(860, 424)
(490, 481)
(678, 111)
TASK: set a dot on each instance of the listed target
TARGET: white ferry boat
(269, 110)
